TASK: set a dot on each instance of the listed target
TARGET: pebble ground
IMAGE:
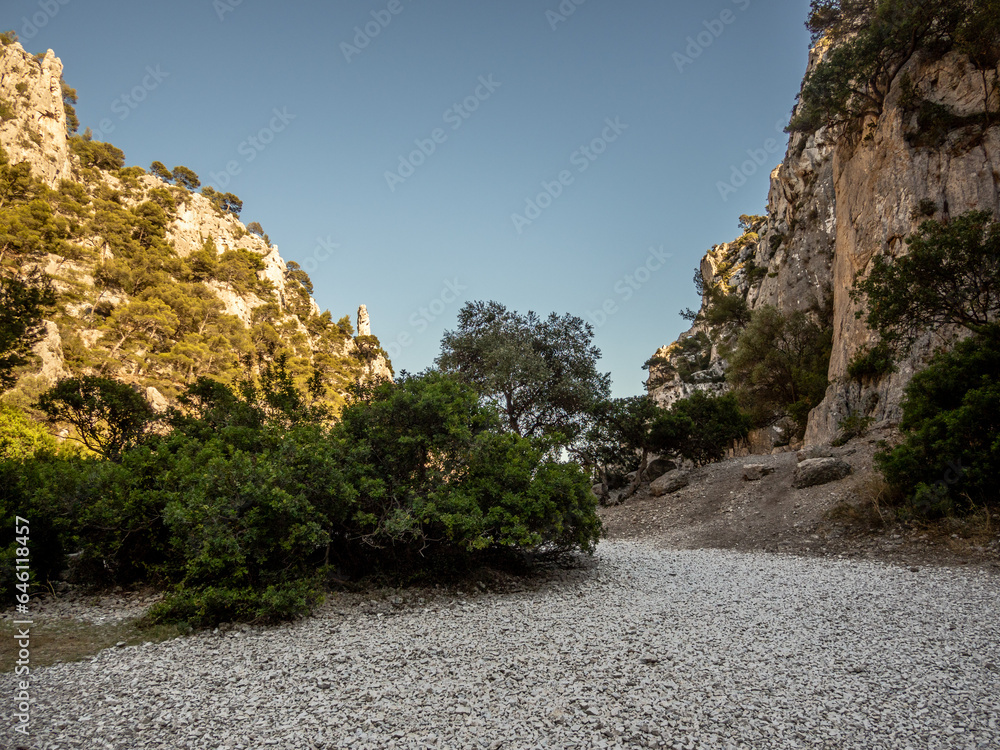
(644, 648)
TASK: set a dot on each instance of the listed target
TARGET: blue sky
(414, 154)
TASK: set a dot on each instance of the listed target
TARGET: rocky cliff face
(834, 204)
(267, 310)
(34, 128)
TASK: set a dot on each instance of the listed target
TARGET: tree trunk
(637, 482)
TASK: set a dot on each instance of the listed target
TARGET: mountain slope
(835, 203)
(157, 284)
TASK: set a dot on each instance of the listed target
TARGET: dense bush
(244, 503)
(701, 428)
(950, 459)
(97, 154)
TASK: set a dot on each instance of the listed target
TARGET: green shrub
(950, 459)
(851, 427)
(871, 363)
(701, 428)
(779, 366)
(243, 504)
(97, 154)
(22, 437)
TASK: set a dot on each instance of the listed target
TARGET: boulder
(658, 467)
(669, 483)
(815, 471)
(756, 472)
(598, 490)
(813, 451)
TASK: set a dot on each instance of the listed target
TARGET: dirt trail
(719, 509)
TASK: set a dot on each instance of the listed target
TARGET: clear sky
(414, 154)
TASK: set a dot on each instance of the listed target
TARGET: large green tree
(109, 416)
(779, 366)
(949, 276)
(540, 374)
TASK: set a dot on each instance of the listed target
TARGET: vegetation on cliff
(950, 279)
(873, 40)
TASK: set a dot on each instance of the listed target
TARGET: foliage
(430, 469)
(871, 363)
(247, 497)
(186, 178)
(779, 366)
(109, 417)
(295, 273)
(96, 154)
(69, 100)
(872, 40)
(159, 169)
(8, 38)
(700, 427)
(950, 458)
(852, 426)
(21, 437)
(950, 276)
(540, 375)
(619, 441)
(23, 300)
(223, 202)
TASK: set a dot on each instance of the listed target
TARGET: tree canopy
(872, 40)
(950, 276)
(109, 416)
(779, 366)
(540, 374)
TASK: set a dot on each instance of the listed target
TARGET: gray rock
(669, 483)
(658, 467)
(598, 490)
(816, 471)
(813, 451)
(756, 472)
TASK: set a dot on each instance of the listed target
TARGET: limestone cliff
(157, 284)
(836, 202)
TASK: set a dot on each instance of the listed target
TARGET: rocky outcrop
(33, 130)
(886, 186)
(833, 205)
(364, 322)
(31, 91)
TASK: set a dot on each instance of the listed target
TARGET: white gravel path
(650, 648)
